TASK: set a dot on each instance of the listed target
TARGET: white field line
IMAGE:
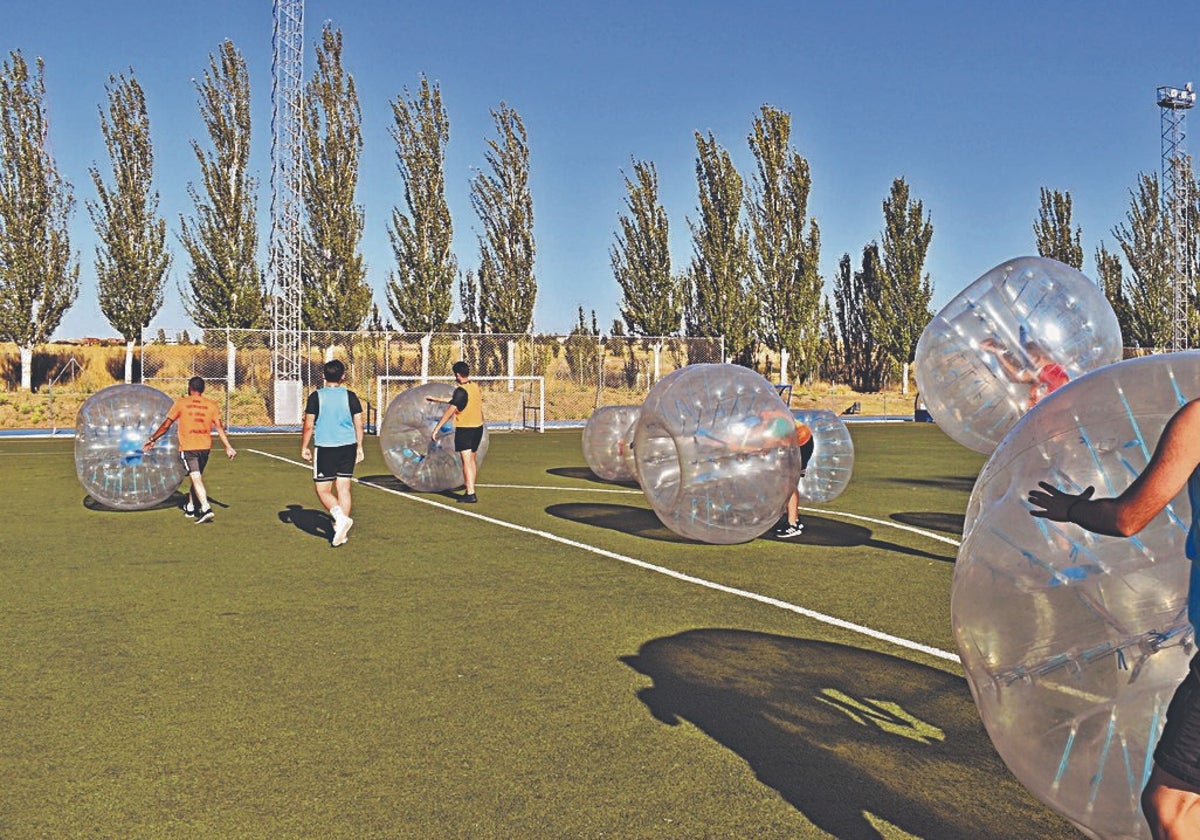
(642, 564)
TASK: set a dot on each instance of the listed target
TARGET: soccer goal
(510, 403)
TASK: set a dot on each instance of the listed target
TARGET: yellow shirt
(471, 414)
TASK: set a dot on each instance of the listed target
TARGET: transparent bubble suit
(716, 453)
(110, 429)
(832, 462)
(608, 442)
(1074, 643)
(966, 389)
(408, 449)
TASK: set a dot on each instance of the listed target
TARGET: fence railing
(581, 372)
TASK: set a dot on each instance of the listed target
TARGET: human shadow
(314, 522)
(585, 474)
(947, 523)
(842, 732)
(175, 500)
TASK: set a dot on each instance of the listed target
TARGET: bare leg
(342, 488)
(199, 494)
(1171, 806)
(325, 492)
(470, 468)
(793, 508)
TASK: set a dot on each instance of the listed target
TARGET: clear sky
(977, 105)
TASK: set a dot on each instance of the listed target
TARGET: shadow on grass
(947, 523)
(318, 523)
(390, 482)
(627, 519)
(832, 533)
(946, 482)
(585, 474)
(841, 732)
(175, 500)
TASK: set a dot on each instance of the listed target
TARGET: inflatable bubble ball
(110, 429)
(608, 442)
(408, 450)
(716, 453)
(1074, 643)
(1008, 339)
(832, 462)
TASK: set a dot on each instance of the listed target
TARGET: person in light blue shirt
(333, 421)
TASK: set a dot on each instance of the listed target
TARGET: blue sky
(976, 105)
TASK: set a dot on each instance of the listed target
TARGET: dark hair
(461, 369)
(334, 371)
(196, 384)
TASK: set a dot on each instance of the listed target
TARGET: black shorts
(332, 462)
(1178, 750)
(468, 438)
(195, 459)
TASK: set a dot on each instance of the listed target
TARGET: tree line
(752, 278)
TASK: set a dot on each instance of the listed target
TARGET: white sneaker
(340, 529)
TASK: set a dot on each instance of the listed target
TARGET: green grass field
(549, 663)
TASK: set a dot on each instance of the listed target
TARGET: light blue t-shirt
(334, 425)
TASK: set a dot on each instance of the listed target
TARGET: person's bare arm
(1175, 458)
(229, 450)
(358, 437)
(306, 434)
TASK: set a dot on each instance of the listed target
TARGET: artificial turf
(520, 668)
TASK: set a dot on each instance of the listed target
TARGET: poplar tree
(718, 301)
(131, 256)
(504, 287)
(226, 285)
(1055, 238)
(419, 291)
(901, 310)
(864, 358)
(1109, 276)
(651, 297)
(335, 297)
(787, 245)
(1145, 240)
(39, 278)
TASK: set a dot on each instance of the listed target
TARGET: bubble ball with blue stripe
(1073, 643)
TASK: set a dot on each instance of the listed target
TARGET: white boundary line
(662, 570)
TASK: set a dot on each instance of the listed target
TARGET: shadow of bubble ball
(410, 454)
(832, 462)
(716, 453)
(1074, 643)
(110, 429)
(608, 442)
(1033, 313)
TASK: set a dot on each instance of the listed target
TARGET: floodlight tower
(287, 148)
(1176, 198)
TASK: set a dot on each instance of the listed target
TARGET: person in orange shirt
(793, 527)
(197, 416)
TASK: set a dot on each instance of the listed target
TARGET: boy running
(333, 420)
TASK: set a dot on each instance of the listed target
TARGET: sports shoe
(789, 531)
(205, 515)
(340, 529)
(189, 510)
(469, 498)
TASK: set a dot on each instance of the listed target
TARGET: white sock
(336, 513)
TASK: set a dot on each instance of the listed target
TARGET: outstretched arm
(159, 432)
(1175, 458)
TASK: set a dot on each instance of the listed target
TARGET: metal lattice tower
(1176, 198)
(287, 149)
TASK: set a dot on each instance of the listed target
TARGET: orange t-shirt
(803, 433)
(196, 415)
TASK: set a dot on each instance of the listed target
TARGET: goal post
(510, 403)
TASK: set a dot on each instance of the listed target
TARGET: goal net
(510, 403)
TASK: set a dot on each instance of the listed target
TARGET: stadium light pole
(1174, 103)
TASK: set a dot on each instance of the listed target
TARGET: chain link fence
(580, 372)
